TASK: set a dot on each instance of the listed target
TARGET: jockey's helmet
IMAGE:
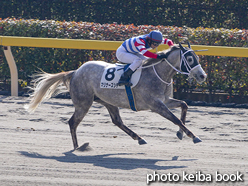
(155, 36)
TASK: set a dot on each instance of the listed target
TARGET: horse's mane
(151, 61)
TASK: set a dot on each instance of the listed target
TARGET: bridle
(183, 63)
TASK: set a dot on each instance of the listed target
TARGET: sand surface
(36, 149)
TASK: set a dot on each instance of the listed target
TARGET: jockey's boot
(125, 77)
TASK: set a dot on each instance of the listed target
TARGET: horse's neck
(164, 70)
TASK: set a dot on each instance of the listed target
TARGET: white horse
(151, 93)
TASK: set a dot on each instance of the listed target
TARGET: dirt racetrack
(36, 149)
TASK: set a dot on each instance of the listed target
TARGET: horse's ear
(189, 45)
(182, 48)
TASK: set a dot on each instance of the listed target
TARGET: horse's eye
(190, 60)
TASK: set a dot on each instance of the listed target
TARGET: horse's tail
(47, 85)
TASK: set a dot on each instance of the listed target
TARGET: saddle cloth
(112, 74)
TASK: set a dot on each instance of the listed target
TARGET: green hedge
(192, 13)
(225, 74)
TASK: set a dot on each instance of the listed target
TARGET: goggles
(155, 44)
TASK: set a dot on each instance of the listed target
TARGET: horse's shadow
(109, 162)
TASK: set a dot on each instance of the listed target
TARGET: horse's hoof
(179, 135)
(84, 147)
(142, 141)
(197, 140)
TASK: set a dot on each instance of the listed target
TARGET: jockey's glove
(161, 56)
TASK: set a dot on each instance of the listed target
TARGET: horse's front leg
(174, 103)
(160, 108)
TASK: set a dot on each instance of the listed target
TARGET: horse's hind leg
(116, 119)
(74, 121)
(77, 117)
(174, 103)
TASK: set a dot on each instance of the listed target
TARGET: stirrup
(127, 83)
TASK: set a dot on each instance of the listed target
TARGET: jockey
(134, 50)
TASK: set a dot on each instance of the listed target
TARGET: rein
(168, 84)
(153, 66)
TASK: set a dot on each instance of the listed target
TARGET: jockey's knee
(136, 64)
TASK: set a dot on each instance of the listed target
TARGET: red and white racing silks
(139, 44)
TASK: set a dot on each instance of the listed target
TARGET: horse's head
(189, 64)
(183, 60)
